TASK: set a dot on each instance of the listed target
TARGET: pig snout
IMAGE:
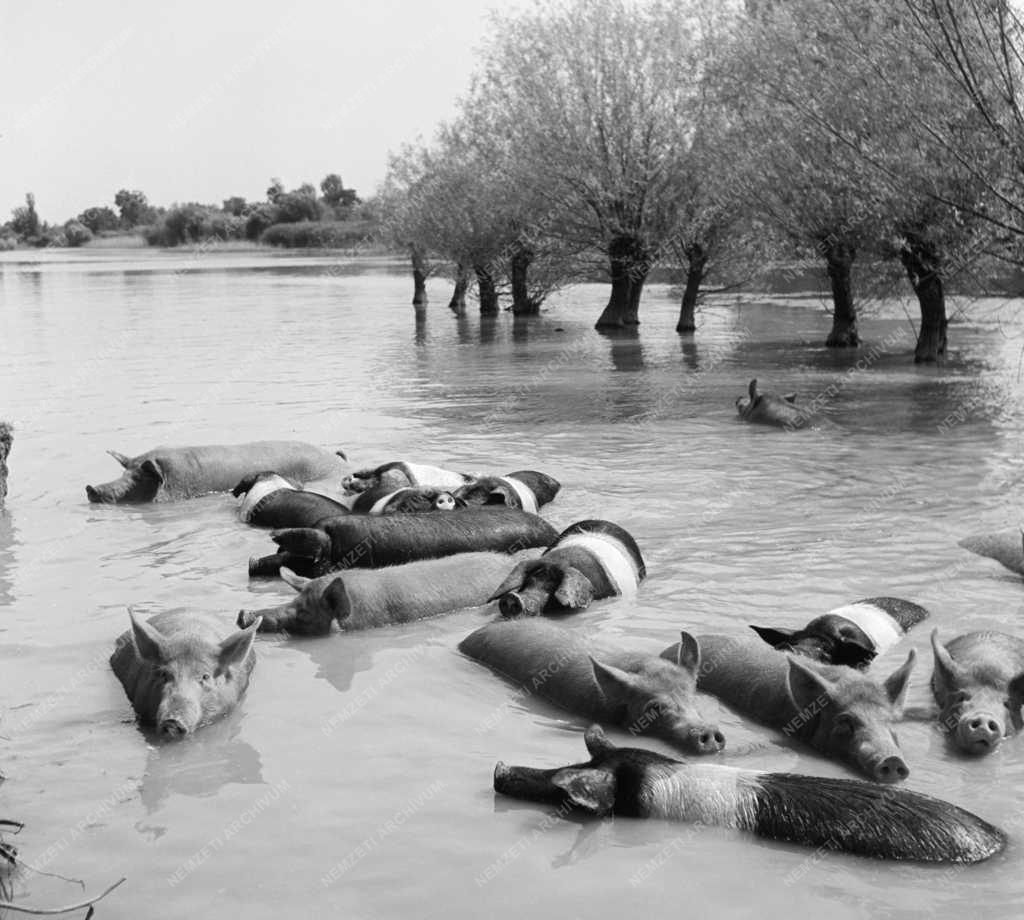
(269, 619)
(178, 716)
(99, 497)
(979, 733)
(706, 739)
(891, 769)
(529, 602)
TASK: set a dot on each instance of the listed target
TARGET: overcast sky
(197, 101)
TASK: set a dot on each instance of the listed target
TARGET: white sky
(197, 101)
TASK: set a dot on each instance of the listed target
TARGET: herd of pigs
(405, 541)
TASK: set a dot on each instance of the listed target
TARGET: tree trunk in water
(522, 304)
(698, 263)
(486, 289)
(922, 264)
(839, 261)
(629, 267)
(419, 278)
(458, 302)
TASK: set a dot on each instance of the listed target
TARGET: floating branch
(7, 905)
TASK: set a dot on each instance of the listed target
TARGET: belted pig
(853, 634)
(590, 560)
(841, 815)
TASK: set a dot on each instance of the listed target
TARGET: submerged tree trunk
(698, 265)
(839, 262)
(487, 289)
(629, 265)
(419, 277)
(458, 302)
(522, 303)
(923, 269)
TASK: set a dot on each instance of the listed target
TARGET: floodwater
(355, 780)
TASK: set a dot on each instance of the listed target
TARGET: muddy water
(355, 779)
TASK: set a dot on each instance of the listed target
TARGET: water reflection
(198, 766)
(627, 352)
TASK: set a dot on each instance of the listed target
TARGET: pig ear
(789, 397)
(774, 637)
(575, 591)
(897, 683)
(335, 597)
(597, 741)
(947, 674)
(120, 458)
(615, 683)
(149, 641)
(806, 686)
(752, 391)
(152, 469)
(513, 580)
(591, 790)
(298, 582)
(688, 655)
(236, 647)
(1015, 691)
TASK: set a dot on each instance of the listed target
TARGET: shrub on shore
(309, 234)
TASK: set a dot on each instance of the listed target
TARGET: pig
(367, 541)
(407, 500)
(1005, 546)
(836, 710)
(399, 474)
(633, 690)
(6, 442)
(271, 500)
(179, 674)
(590, 560)
(841, 815)
(364, 598)
(171, 473)
(768, 409)
(978, 682)
(526, 489)
(851, 635)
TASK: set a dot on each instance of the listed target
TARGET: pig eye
(844, 725)
(163, 675)
(206, 678)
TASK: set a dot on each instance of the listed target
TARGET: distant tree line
(297, 218)
(714, 140)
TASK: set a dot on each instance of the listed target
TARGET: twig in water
(7, 905)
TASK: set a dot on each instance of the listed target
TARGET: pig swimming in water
(170, 473)
(853, 634)
(271, 500)
(843, 815)
(363, 598)
(633, 690)
(978, 682)
(768, 409)
(179, 674)
(526, 489)
(372, 541)
(407, 500)
(590, 560)
(836, 710)
(399, 474)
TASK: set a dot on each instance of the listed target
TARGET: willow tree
(864, 96)
(599, 99)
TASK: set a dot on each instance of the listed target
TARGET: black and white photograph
(552, 459)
